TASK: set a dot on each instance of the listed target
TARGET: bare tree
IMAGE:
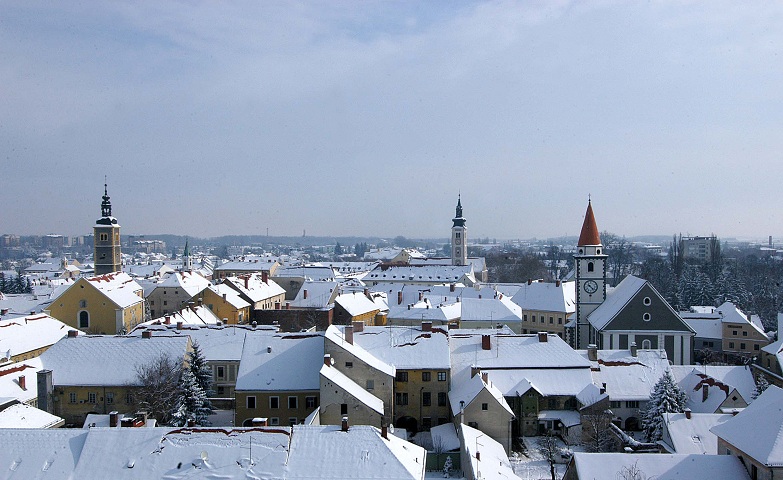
(549, 448)
(631, 472)
(596, 435)
(157, 387)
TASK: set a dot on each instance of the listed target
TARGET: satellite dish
(204, 456)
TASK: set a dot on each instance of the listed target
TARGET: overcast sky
(368, 118)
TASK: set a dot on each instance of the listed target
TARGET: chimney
(191, 422)
(421, 296)
(287, 306)
(269, 349)
(247, 279)
(557, 283)
(452, 287)
(200, 301)
(22, 382)
(328, 360)
(426, 326)
(45, 389)
(224, 297)
(592, 352)
(734, 412)
(259, 422)
(543, 337)
(367, 293)
(358, 326)
(634, 350)
(265, 277)
(179, 325)
(474, 371)
(384, 429)
(254, 324)
(399, 297)
(146, 334)
(345, 424)
(72, 333)
(530, 281)
(688, 413)
(485, 342)
(348, 333)
(705, 392)
(4, 311)
(114, 419)
(485, 377)
(277, 305)
(167, 320)
(478, 456)
(305, 294)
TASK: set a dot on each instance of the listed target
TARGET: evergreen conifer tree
(761, 385)
(203, 376)
(666, 397)
(190, 402)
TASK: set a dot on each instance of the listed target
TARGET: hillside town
(395, 364)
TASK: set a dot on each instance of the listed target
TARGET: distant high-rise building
(107, 239)
(590, 277)
(459, 237)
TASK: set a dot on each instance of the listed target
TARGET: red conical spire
(589, 235)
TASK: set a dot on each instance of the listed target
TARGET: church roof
(589, 235)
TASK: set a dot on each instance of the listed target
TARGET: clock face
(457, 241)
(590, 286)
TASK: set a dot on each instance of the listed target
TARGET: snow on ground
(531, 465)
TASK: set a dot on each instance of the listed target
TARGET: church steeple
(458, 219)
(106, 204)
(590, 279)
(107, 255)
(459, 237)
(589, 235)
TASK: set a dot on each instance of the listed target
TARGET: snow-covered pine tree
(447, 466)
(666, 397)
(203, 376)
(190, 401)
(761, 385)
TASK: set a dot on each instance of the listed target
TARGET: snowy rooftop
(494, 463)
(29, 333)
(335, 335)
(468, 390)
(40, 453)
(192, 283)
(548, 297)
(423, 311)
(119, 287)
(278, 361)
(9, 379)
(731, 314)
(319, 294)
(355, 390)
(317, 273)
(198, 315)
(721, 380)
(356, 303)
(22, 304)
(615, 301)
(217, 343)
(758, 429)
(704, 328)
(21, 415)
(489, 310)
(692, 435)
(426, 273)
(231, 295)
(628, 378)
(659, 466)
(256, 290)
(406, 347)
(107, 360)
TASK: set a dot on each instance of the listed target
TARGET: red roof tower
(589, 235)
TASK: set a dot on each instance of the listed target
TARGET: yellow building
(105, 304)
(28, 337)
(225, 303)
(546, 307)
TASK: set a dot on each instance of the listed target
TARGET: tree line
(18, 284)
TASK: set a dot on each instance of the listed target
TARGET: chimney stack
(426, 326)
(705, 392)
(328, 360)
(474, 371)
(530, 281)
(200, 301)
(72, 333)
(247, 282)
(634, 349)
(277, 305)
(22, 382)
(45, 389)
(384, 429)
(224, 296)
(543, 337)
(345, 424)
(114, 419)
(688, 413)
(367, 293)
(179, 325)
(348, 333)
(557, 283)
(486, 343)
(452, 287)
(146, 334)
(265, 277)
(259, 422)
(167, 320)
(305, 294)
(399, 297)
(358, 326)
(485, 377)
(592, 352)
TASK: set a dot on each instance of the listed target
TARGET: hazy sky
(368, 118)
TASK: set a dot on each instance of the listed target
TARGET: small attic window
(646, 317)
(598, 252)
(647, 301)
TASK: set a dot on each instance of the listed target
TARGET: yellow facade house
(225, 303)
(105, 304)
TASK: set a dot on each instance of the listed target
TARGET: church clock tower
(459, 237)
(107, 239)
(590, 277)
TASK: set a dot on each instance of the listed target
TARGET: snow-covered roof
(255, 265)
(352, 388)
(445, 436)
(23, 304)
(356, 303)
(257, 290)
(118, 287)
(660, 466)
(335, 335)
(493, 463)
(231, 295)
(547, 297)
(9, 379)
(216, 343)
(628, 378)
(21, 415)
(319, 294)
(443, 313)
(721, 381)
(568, 418)
(693, 435)
(546, 381)
(468, 390)
(488, 310)
(49, 454)
(704, 328)
(198, 315)
(731, 314)
(280, 361)
(758, 429)
(424, 273)
(615, 301)
(317, 273)
(29, 333)
(406, 347)
(191, 282)
(107, 360)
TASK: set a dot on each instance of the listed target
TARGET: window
(533, 318)
(310, 402)
(221, 372)
(104, 237)
(426, 376)
(442, 399)
(426, 423)
(731, 344)
(551, 320)
(72, 397)
(559, 320)
(292, 402)
(82, 303)
(590, 266)
(292, 421)
(485, 406)
(91, 398)
(109, 397)
(401, 398)
(734, 332)
(646, 344)
(165, 302)
(348, 364)
(742, 346)
(614, 404)
(402, 376)
(128, 398)
(552, 404)
(524, 317)
(756, 346)
(274, 402)
(473, 425)
(84, 319)
(370, 384)
(632, 404)
(251, 402)
(647, 301)
(744, 334)
(426, 399)
(646, 317)
(274, 421)
(441, 376)
(343, 409)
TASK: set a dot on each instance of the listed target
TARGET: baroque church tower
(590, 277)
(459, 237)
(107, 239)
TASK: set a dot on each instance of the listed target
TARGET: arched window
(590, 266)
(84, 319)
(646, 345)
(82, 303)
